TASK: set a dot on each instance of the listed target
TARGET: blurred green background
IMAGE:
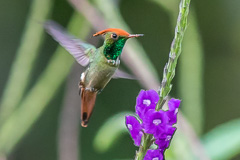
(206, 78)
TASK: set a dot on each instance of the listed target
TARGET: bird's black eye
(114, 36)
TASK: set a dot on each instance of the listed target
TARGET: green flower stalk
(161, 120)
(175, 51)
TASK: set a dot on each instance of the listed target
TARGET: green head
(114, 41)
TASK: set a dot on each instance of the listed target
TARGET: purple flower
(155, 122)
(153, 155)
(146, 100)
(173, 105)
(164, 140)
(138, 138)
(134, 128)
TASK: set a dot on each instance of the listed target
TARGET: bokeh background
(39, 79)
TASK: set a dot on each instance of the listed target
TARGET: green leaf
(180, 148)
(223, 142)
(110, 131)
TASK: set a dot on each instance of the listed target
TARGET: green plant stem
(147, 141)
(169, 69)
(21, 120)
(25, 57)
(190, 84)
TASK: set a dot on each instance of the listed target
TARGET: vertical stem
(146, 143)
(175, 51)
(190, 84)
(169, 69)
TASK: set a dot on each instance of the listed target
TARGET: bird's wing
(121, 74)
(81, 51)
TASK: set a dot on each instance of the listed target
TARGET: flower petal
(173, 104)
(154, 122)
(146, 100)
(134, 128)
(133, 125)
(164, 140)
(153, 155)
(138, 138)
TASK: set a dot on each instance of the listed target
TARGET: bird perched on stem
(101, 63)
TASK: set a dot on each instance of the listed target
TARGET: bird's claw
(91, 89)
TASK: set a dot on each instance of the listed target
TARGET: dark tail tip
(84, 119)
(84, 123)
(84, 116)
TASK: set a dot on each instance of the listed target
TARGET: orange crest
(118, 31)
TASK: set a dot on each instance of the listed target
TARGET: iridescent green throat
(113, 49)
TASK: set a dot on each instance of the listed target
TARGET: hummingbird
(102, 64)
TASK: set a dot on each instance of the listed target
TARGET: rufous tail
(88, 99)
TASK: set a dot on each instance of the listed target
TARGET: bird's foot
(100, 90)
(80, 86)
(91, 89)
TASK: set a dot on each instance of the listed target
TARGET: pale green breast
(99, 72)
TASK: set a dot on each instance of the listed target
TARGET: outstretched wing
(79, 50)
(121, 74)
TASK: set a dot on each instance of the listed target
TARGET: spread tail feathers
(88, 99)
